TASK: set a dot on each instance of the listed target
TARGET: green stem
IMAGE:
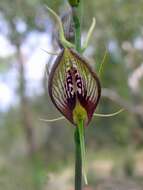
(82, 146)
(78, 161)
(77, 29)
(77, 138)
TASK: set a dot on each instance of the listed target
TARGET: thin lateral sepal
(80, 126)
(102, 63)
(109, 115)
(52, 120)
(63, 40)
(49, 52)
(89, 34)
(95, 115)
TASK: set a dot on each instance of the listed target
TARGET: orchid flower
(74, 87)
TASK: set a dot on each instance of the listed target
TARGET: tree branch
(115, 97)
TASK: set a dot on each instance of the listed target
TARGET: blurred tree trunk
(25, 112)
(137, 98)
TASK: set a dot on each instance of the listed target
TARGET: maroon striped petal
(72, 80)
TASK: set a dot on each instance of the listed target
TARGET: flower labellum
(73, 87)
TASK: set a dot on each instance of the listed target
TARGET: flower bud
(74, 3)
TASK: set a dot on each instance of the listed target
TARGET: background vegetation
(36, 155)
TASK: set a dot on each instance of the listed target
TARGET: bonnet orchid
(74, 89)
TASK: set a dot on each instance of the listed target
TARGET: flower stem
(78, 161)
(77, 29)
(76, 14)
(78, 151)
